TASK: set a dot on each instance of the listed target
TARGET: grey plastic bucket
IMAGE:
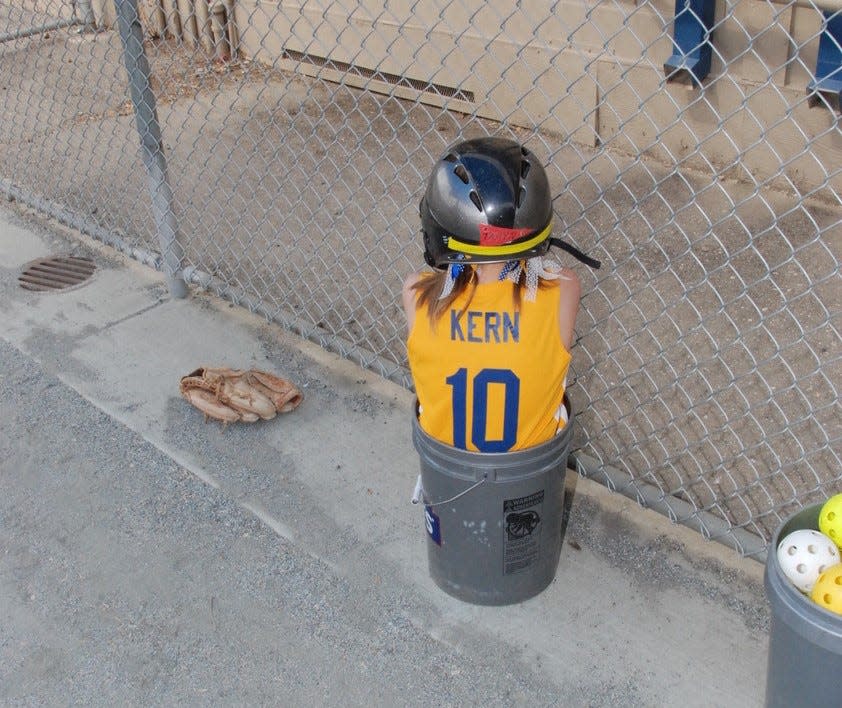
(805, 640)
(493, 520)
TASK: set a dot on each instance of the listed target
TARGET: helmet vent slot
(520, 195)
(461, 173)
(476, 200)
(524, 169)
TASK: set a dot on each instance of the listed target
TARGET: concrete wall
(592, 71)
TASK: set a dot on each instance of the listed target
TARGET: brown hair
(429, 287)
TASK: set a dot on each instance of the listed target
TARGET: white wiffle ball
(804, 555)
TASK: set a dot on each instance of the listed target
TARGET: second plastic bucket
(805, 640)
(493, 519)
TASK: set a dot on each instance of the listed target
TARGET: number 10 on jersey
(478, 400)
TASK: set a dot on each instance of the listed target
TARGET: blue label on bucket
(432, 522)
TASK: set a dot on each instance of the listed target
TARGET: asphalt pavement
(150, 558)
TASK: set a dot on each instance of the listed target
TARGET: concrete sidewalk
(149, 558)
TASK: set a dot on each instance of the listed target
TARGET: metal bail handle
(418, 493)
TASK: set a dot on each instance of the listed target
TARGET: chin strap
(576, 253)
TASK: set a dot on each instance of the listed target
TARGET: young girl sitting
(490, 330)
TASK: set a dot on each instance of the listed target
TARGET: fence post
(152, 149)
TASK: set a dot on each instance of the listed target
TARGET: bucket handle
(418, 493)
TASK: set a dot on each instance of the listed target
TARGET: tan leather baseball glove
(232, 395)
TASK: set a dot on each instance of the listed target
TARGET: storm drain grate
(57, 273)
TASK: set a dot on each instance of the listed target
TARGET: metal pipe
(78, 222)
(32, 31)
(203, 25)
(219, 27)
(83, 15)
(233, 31)
(172, 18)
(151, 143)
(187, 14)
(84, 11)
(158, 21)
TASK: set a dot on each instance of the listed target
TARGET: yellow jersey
(489, 377)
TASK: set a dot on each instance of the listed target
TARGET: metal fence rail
(275, 152)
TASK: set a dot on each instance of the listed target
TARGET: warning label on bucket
(522, 517)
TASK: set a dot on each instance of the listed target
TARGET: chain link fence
(274, 152)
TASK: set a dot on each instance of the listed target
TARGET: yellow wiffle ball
(827, 591)
(830, 519)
